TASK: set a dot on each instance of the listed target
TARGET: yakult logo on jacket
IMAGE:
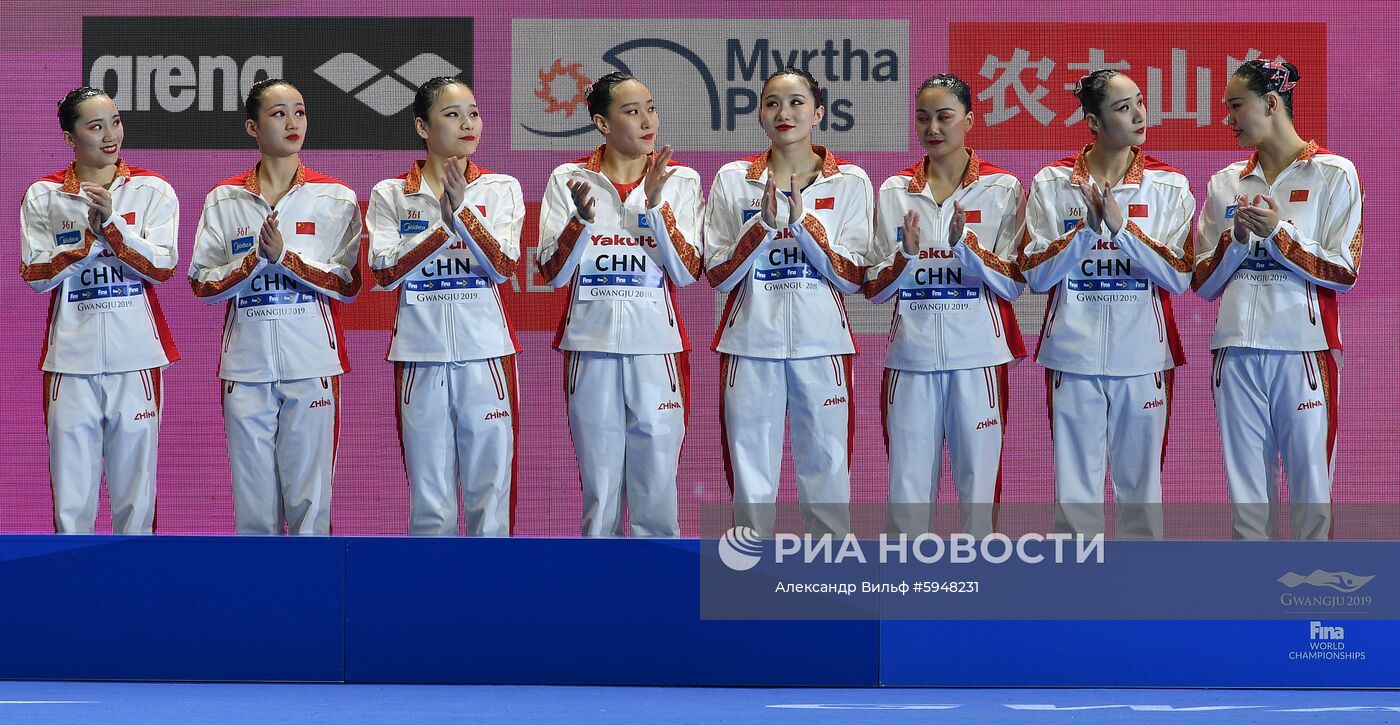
(618, 240)
(184, 78)
(719, 67)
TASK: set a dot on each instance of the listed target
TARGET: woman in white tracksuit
(1109, 237)
(98, 235)
(620, 228)
(947, 232)
(1280, 237)
(786, 235)
(280, 243)
(444, 235)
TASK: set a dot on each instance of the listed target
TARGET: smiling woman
(98, 235)
(280, 243)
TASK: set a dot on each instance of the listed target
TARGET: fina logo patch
(1230, 211)
(645, 223)
(412, 226)
(241, 245)
(1070, 224)
(748, 214)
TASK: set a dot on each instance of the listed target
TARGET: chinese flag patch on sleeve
(974, 216)
(1137, 211)
(129, 217)
(826, 202)
(1298, 195)
(306, 227)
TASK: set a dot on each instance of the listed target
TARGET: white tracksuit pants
(921, 410)
(457, 424)
(282, 438)
(627, 414)
(1272, 402)
(1125, 417)
(111, 418)
(815, 395)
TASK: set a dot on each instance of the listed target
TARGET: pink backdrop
(1346, 100)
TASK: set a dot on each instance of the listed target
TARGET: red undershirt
(624, 189)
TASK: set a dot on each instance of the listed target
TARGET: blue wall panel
(1133, 654)
(564, 612)
(171, 608)
(607, 612)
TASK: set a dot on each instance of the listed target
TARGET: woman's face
(941, 121)
(1122, 117)
(789, 112)
(1248, 114)
(632, 121)
(453, 126)
(97, 136)
(280, 127)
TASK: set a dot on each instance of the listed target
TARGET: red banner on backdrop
(1025, 73)
(529, 300)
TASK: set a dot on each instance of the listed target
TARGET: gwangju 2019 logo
(1311, 601)
(706, 75)
(1342, 581)
(180, 82)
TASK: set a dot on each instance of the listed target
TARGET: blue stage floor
(195, 704)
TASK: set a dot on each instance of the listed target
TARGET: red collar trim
(71, 184)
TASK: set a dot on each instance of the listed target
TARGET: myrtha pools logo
(706, 75)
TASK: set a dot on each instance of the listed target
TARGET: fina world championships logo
(706, 75)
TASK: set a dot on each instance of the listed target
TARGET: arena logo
(705, 76)
(180, 82)
(1023, 75)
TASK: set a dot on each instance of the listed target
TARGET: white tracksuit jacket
(282, 320)
(103, 314)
